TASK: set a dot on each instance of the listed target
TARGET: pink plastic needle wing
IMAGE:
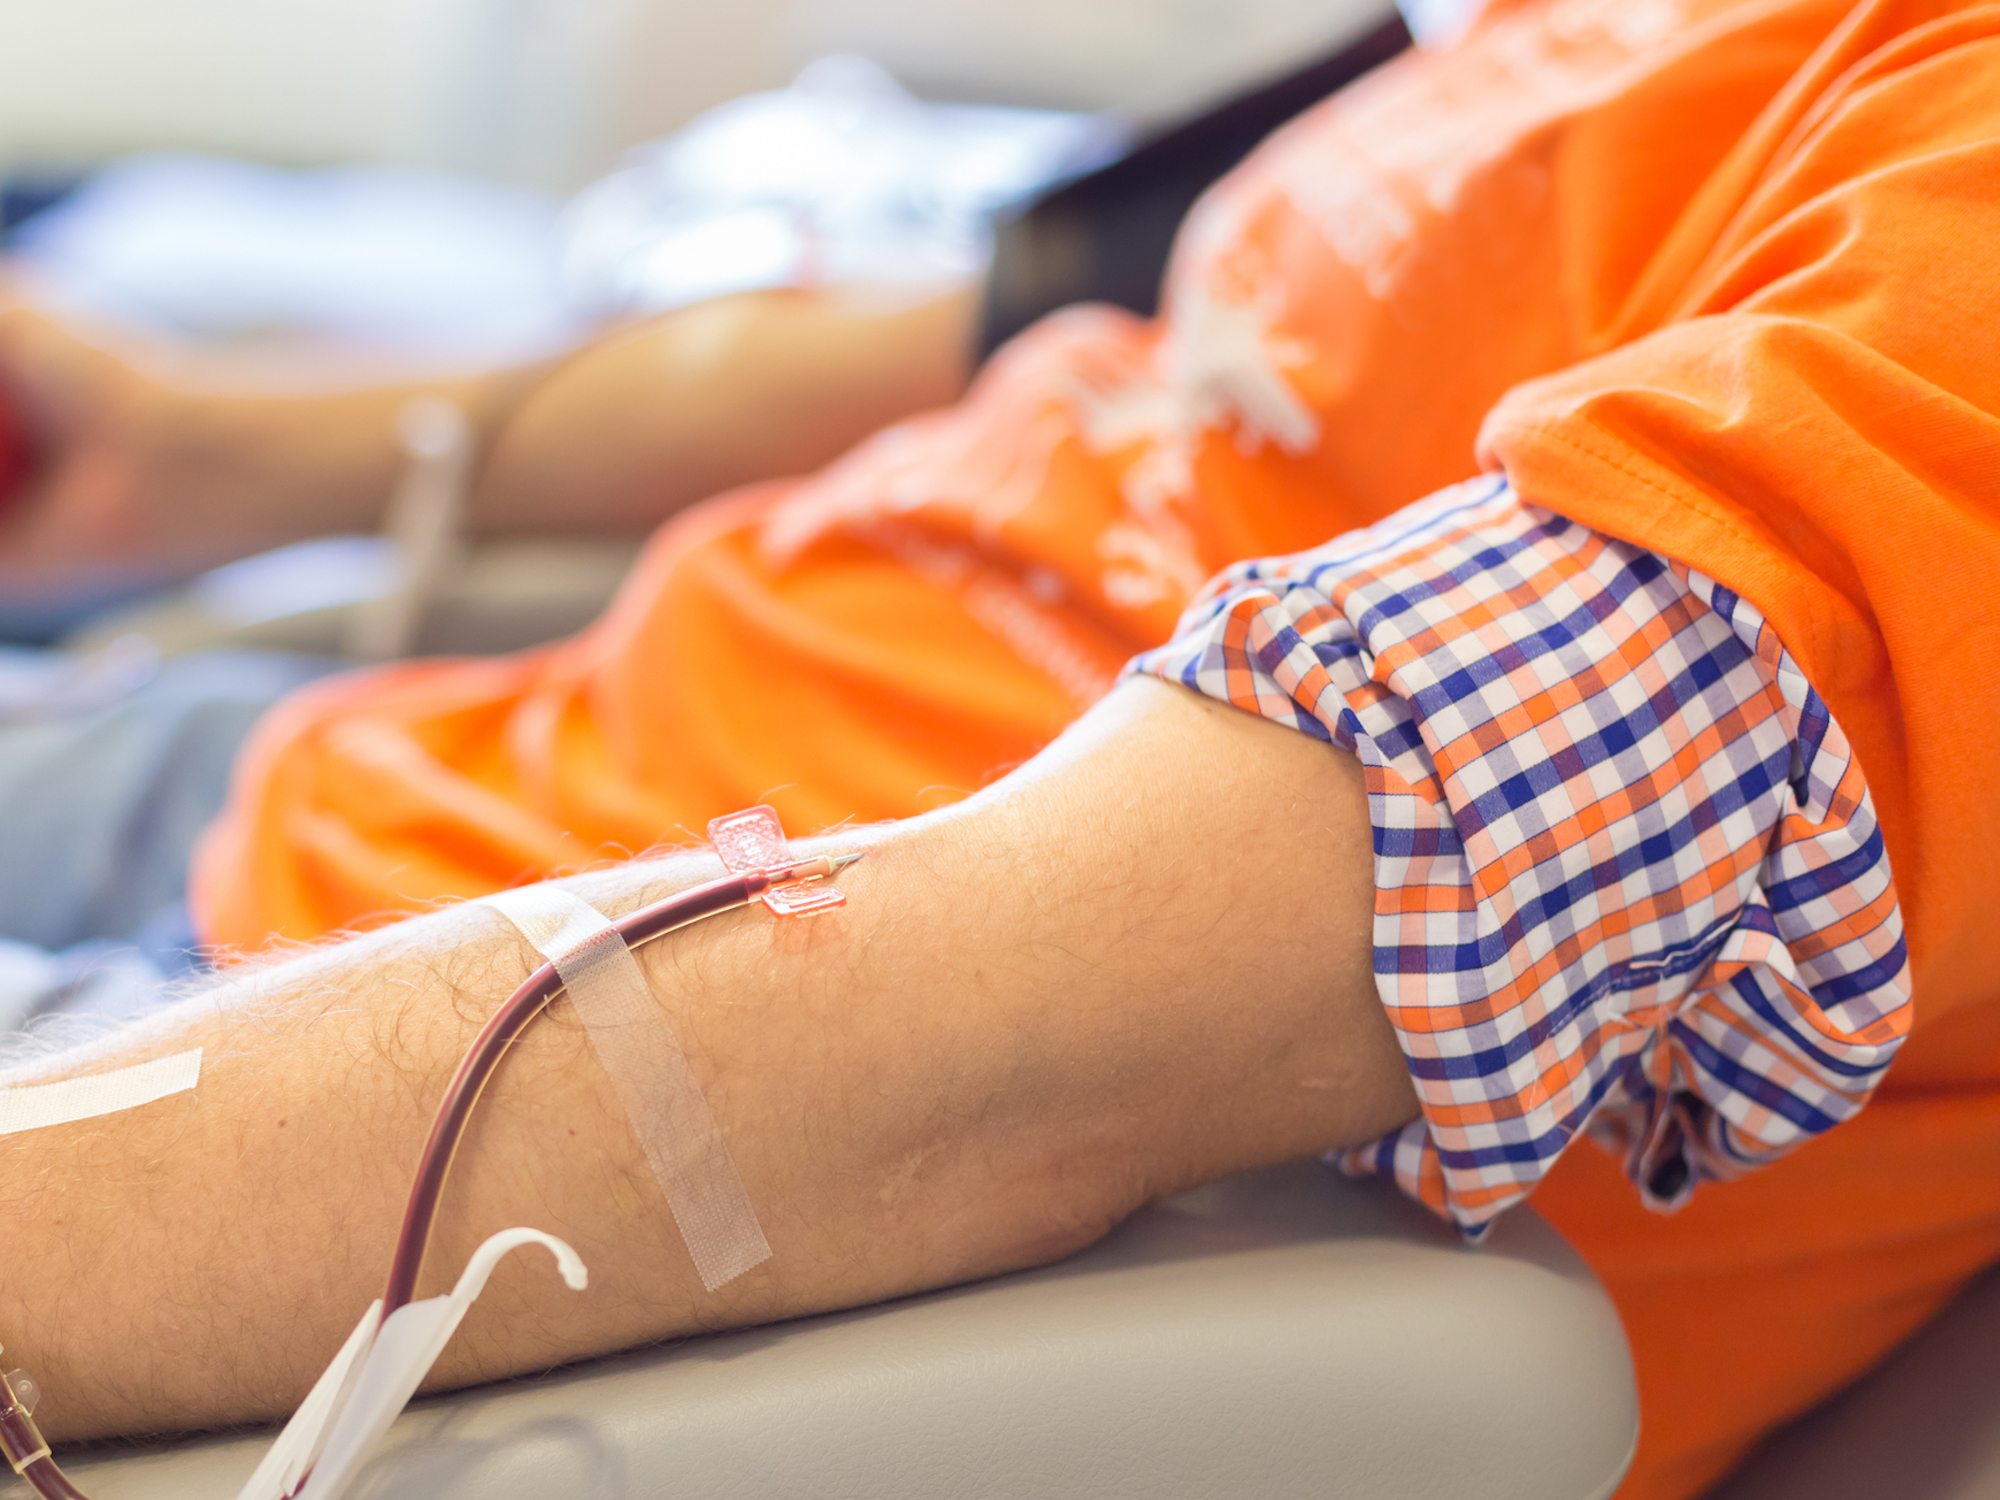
(803, 900)
(753, 841)
(750, 841)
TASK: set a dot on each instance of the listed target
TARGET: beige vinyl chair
(501, 596)
(1281, 1335)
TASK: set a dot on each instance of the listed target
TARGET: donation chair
(1280, 1335)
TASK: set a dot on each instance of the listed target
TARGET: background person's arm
(1139, 962)
(156, 465)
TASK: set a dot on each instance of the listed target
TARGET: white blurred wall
(1147, 59)
(549, 92)
(306, 81)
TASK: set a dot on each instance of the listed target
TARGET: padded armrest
(1282, 1334)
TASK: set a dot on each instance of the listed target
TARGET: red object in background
(13, 453)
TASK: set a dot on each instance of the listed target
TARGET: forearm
(235, 467)
(742, 388)
(1140, 963)
(633, 426)
(158, 465)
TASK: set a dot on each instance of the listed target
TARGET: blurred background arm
(216, 350)
(650, 418)
(161, 464)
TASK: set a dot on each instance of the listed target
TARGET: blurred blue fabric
(103, 792)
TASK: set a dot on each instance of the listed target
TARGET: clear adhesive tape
(38, 1104)
(636, 1045)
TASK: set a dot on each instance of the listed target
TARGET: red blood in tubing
(13, 453)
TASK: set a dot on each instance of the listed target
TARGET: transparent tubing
(21, 1442)
(26, 1452)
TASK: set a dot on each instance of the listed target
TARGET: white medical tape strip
(636, 1045)
(34, 1105)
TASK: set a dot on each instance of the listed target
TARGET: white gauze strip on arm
(636, 1045)
(35, 1105)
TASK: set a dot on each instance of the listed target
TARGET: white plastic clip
(374, 1376)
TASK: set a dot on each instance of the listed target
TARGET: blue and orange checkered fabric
(1628, 877)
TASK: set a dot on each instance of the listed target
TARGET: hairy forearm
(1137, 964)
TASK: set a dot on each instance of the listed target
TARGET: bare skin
(164, 464)
(1140, 962)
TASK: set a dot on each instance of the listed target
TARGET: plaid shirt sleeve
(1628, 876)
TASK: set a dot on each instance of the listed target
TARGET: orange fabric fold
(1726, 268)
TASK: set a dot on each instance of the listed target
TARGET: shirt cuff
(1628, 876)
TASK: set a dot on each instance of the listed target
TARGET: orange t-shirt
(1740, 253)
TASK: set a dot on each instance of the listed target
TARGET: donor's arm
(1139, 962)
(153, 464)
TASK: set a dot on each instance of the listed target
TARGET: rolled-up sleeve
(1629, 881)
